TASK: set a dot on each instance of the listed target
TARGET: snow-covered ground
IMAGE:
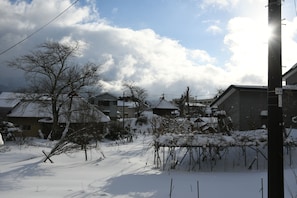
(125, 170)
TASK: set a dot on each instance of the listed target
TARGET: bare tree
(50, 70)
(138, 95)
(220, 91)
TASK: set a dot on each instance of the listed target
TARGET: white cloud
(214, 29)
(159, 64)
(156, 63)
(289, 37)
(247, 40)
(219, 3)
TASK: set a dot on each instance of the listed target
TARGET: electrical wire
(39, 29)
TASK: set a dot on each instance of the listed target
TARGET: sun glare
(269, 32)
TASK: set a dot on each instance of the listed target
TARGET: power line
(39, 29)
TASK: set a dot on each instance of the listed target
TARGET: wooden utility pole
(188, 100)
(123, 109)
(275, 114)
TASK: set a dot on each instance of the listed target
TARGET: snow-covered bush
(142, 120)
(114, 130)
(174, 126)
(9, 131)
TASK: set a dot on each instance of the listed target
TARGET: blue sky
(184, 21)
(160, 45)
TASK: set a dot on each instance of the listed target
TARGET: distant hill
(13, 88)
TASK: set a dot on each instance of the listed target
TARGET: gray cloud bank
(158, 64)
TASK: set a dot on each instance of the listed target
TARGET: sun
(273, 32)
(270, 32)
(266, 34)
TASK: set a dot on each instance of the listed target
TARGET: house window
(103, 103)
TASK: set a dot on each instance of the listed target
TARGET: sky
(163, 46)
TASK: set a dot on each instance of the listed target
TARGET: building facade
(107, 103)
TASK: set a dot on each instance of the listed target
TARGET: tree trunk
(54, 135)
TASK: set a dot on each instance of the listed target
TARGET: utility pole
(123, 109)
(274, 98)
(188, 100)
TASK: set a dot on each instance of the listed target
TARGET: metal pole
(123, 111)
(275, 119)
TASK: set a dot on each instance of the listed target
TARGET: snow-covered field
(125, 170)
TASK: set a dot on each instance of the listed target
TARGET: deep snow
(125, 170)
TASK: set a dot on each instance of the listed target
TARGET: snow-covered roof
(11, 95)
(195, 104)
(10, 99)
(26, 109)
(8, 103)
(164, 104)
(81, 111)
(84, 111)
(105, 97)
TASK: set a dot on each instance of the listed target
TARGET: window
(103, 103)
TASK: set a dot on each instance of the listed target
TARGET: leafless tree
(50, 70)
(138, 95)
(220, 91)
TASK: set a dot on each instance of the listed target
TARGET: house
(116, 107)
(194, 108)
(247, 106)
(107, 103)
(8, 100)
(206, 101)
(26, 115)
(164, 108)
(34, 116)
(127, 108)
(290, 77)
(191, 107)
